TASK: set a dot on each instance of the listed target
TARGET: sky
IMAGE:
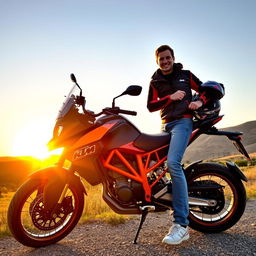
(109, 45)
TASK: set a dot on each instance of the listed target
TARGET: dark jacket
(161, 87)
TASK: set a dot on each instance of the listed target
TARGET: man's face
(165, 62)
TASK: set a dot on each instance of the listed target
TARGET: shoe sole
(175, 243)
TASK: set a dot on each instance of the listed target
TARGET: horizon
(48, 157)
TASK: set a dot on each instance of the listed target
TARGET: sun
(32, 138)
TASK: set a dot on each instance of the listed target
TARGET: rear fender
(233, 168)
(236, 170)
(189, 169)
(54, 180)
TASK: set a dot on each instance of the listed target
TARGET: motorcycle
(106, 148)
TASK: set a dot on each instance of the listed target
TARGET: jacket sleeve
(154, 102)
(195, 84)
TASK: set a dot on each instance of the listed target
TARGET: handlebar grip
(127, 112)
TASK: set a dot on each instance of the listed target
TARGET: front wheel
(229, 197)
(32, 226)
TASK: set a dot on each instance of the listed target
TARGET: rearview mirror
(133, 90)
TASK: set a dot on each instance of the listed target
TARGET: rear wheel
(32, 226)
(229, 199)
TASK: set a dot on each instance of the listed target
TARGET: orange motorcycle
(106, 148)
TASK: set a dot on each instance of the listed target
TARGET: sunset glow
(31, 140)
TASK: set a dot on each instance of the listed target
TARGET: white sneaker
(176, 235)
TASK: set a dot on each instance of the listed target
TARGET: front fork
(57, 185)
(64, 191)
(60, 165)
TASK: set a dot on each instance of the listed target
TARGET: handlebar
(127, 112)
(115, 110)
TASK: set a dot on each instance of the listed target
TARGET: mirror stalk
(113, 102)
(73, 78)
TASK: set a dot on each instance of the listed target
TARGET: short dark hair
(163, 48)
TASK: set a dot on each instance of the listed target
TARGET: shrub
(241, 163)
(253, 162)
(3, 190)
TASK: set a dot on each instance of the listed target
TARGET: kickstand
(143, 217)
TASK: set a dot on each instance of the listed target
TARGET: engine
(127, 190)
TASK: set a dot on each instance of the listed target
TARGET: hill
(14, 170)
(210, 146)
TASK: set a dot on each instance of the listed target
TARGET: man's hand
(179, 95)
(195, 105)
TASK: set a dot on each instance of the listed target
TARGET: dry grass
(95, 208)
(235, 157)
(4, 202)
(250, 173)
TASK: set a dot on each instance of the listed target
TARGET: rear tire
(231, 199)
(27, 221)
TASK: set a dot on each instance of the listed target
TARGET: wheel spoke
(211, 214)
(36, 223)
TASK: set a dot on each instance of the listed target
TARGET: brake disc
(46, 220)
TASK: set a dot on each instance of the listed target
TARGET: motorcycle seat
(150, 142)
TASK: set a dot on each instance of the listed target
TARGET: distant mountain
(210, 146)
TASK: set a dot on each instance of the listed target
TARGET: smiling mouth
(167, 66)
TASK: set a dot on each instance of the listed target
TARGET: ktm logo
(82, 152)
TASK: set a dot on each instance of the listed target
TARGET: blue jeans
(180, 131)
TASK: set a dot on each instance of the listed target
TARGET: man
(170, 92)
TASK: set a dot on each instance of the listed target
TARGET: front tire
(29, 223)
(231, 198)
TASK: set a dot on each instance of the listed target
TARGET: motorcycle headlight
(59, 131)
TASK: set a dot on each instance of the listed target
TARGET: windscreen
(69, 101)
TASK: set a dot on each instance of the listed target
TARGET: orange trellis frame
(143, 166)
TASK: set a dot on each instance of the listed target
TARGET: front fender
(48, 173)
(54, 179)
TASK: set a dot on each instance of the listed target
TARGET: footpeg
(148, 208)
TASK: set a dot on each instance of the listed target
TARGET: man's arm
(154, 102)
(196, 86)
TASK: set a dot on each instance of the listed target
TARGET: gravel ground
(103, 239)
